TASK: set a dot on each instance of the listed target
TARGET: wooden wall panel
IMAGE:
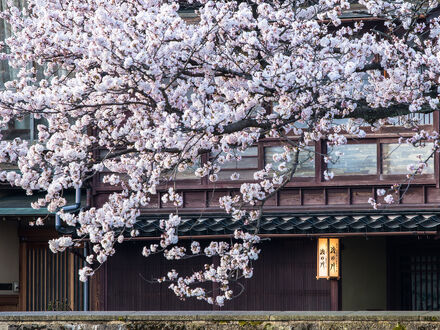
(154, 202)
(290, 197)
(213, 197)
(361, 195)
(168, 204)
(296, 199)
(313, 196)
(432, 195)
(337, 196)
(414, 195)
(284, 279)
(194, 199)
(273, 201)
(396, 197)
(100, 199)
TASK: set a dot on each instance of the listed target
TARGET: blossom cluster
(133, 89)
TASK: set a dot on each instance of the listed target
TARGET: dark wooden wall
(413, 273)
(305, 199)
(284, 279)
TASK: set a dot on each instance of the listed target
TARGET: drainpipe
(70, 230)
(70, 208)
(86, 284)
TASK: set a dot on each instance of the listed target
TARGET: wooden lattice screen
(420, 282)
(51, 280)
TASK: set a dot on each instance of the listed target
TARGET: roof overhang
(305, 224)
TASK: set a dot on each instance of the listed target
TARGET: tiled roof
(299, 224)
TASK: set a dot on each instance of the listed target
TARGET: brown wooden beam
(334, 294)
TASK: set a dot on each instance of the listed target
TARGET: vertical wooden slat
(22, 275)
(33, 280)
(37, 278)
(425, 268)
(45, 280)
(40, 278)
(71, 277)
(420, 284)
(61, 279)
(77, 300)
(56, 284)
(66, 280)
(437, 281)
(49, 277)
(28, 284)
(52, 278)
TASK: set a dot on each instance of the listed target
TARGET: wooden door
(49, 281)
(414, 274)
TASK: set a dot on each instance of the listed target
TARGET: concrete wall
(364, 274)
(9, 253)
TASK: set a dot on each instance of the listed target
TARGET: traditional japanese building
(386, 259)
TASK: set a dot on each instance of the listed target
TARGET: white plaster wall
(9, 253)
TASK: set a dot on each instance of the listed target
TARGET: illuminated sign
(328, 258)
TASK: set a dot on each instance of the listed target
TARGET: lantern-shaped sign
(328, 258)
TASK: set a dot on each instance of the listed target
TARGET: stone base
(219, 320)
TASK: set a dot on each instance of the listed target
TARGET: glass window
(18, 129)
(188, 173)
(7, 72)
(246, 166)
(353, 159)
(420, 118)
(396, 158)
(306, 160)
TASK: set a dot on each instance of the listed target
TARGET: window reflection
(246, 166)
(396, 158)
(353, 159)
(188, 173)
(306, 160)
(18, 129)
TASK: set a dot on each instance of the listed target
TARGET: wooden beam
(334, 294)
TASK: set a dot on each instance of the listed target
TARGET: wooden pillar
(334, 295)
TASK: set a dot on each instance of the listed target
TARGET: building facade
(389, 258)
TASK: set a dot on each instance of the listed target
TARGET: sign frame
(328, 258)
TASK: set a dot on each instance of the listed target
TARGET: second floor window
(306, 160)
(353, 159)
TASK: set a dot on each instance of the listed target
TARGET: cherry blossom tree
(132, 87)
